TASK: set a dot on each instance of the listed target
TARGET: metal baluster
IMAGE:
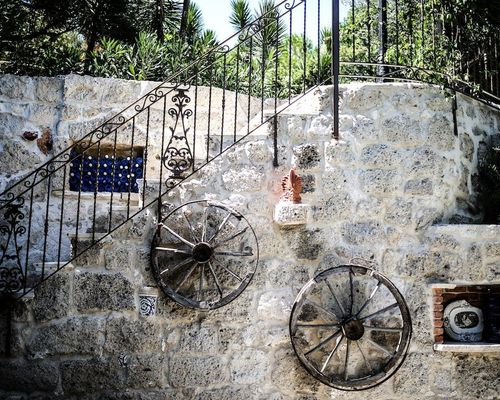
(145, 157)
(129, 167)
(61, 217)
(46, 224)
(223, 101)
(304, 49)
(209, 111)
(113, 173)
(250, 71)
(335, 65)
(236, 90)
(96, 189)
(195, 117)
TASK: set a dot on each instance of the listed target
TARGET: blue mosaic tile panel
(112, 174)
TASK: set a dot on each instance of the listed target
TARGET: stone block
(364, 129)
(321, 125)
(198, 338)
(306, 243)
(80, 335)
(492, 249)
(83, 89)
(259, 152)
(290, 376)
(402, 129)
(306, 156)
(413, 377)
(102, 291)
(441, 133)
(379, 181)
(358, 233)
(28, 377)
(16, 156)
(90, 253)
(197, 371)
(118, 91)
(141, 335)
(224, 393)
(308, 183)
(15, 87)
(419, 187)
(336, 207)
(362, 98)
(424, 160)
(289, 214)
(339, 153)
(433, 265)
(79, 377)
(294, 127)
(381, 155)
(282, 274)
(250, 366)
(243, 179)
(52, 298)
(275, 305)
(49, 90)
(477, 376)
(399, 212)
(466, 146)
(336, 179)
(144, 371)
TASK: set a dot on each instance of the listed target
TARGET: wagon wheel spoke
(337, 345)
(177, 266)
(186, 277)
(324, 342)
(216, 280)
(355, 351)
(172, 250)
(219, 228)
(224, 241)
(191, 228)
(220, 258)
(178, 236)
(229, 271)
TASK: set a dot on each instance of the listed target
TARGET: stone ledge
(472, 231)
(475, 347)
(288, 214)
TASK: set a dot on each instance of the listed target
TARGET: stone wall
(377, 193)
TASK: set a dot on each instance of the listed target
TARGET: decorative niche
(109, 169)
(466, 318)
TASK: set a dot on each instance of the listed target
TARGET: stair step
(119, 198)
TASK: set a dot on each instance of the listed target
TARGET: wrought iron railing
(88, 190)
(128, 163)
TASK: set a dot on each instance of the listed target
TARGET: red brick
(438, 323)
(438, 331)
(438, 315)
(437, 291)
(437, 299)
(438, 308)
(438, 339)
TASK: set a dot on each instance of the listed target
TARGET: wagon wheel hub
(202, 252)
(353, 330)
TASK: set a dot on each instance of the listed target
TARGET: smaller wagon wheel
(204, 254)
(350, 327)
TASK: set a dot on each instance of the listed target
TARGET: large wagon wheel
(204, 254)
(350, 327)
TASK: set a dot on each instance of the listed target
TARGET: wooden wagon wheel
(350, 327)
(204, 254)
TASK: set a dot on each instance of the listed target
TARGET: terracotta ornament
(292, 186)
(45, 142)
